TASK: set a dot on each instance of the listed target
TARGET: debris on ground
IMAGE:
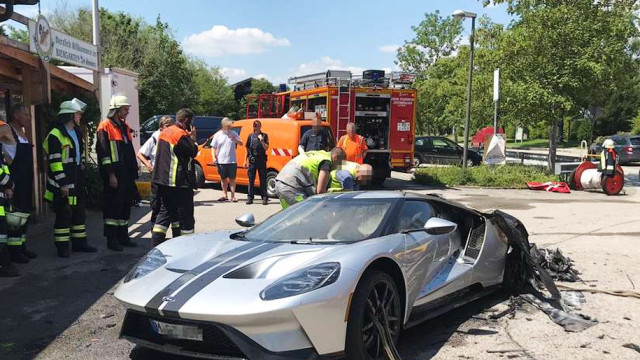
(632, 347)
(555, 263)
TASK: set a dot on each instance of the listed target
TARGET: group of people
(169, 155)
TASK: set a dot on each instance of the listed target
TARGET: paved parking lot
(64, 308)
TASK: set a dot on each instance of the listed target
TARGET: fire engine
(382, 106)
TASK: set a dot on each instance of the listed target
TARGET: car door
(242, 177)
(421, 249)
(208, 167)
(444, 151)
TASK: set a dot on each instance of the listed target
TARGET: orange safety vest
(359, 150)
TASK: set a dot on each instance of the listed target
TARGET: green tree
(215, 97)
(561, 57)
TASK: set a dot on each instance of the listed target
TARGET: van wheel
(200, 180)
(271, 184)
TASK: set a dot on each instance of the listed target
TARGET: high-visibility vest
(608, 161)
(349, 166)
(63, 168)
(360, 140)
(311, 161)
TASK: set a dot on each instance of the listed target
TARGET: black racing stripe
(155, 302)
(181, 298)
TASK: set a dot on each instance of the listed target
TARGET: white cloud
(389, 48)
(323, 64)
(220, 40)
(234, 74)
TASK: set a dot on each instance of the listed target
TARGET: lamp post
(461, 15)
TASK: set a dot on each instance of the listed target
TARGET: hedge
(504, 177)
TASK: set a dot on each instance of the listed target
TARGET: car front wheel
(375, 317)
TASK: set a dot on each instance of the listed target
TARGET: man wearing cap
(119, 169)
(65, 187)
(608, 158)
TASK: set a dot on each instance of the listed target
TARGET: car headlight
(303, 281)
(153, 260)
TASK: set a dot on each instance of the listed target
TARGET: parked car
(284, 137)
(335, 274)
(205, 127)
(440, 150)
(627, 147)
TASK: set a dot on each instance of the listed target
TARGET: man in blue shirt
(318, 138)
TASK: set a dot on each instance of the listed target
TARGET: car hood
(193, 253)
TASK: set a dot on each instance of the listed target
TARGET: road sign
(50, 43)
(496, 85)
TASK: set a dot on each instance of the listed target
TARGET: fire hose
(587, 176)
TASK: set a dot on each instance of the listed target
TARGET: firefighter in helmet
(119, 170)
(608, 158)
(64, 150)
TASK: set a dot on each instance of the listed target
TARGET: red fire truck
(383, 107)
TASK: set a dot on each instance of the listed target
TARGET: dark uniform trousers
(260, 166)
(175, 210)
(70, 219)
(117, 208)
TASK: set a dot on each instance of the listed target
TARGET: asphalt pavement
(65, 309)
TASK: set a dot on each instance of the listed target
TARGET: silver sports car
(335, 275)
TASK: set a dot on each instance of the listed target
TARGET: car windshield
(324, 219)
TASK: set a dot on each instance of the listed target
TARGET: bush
(584, 130)
(504, 177)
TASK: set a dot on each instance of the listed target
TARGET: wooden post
(39, 133)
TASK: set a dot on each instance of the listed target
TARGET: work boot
(16, 255)
(249, 201)
(265, 201)
(6, 268)
(64, 249)
(28, 253)
(81, 245)
(112, 244)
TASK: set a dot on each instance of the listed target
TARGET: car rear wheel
(200, 180)
(375, 306)
(416, 161)
(271, 183)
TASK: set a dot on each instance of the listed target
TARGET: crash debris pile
(529, 272)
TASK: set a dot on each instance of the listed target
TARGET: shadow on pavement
(420, 342)
(53, 293)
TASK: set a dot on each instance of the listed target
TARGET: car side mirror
(438, 226)
(246, 220)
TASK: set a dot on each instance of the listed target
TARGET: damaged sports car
(335, 275)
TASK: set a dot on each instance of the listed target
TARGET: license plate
(183, 332)
(404, 126)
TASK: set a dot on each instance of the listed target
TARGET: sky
(281, 38)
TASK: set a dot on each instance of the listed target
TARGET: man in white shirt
(147, 156)
(223, 145)
(147, 152)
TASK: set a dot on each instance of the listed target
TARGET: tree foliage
(168, 79)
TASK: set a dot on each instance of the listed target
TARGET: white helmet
(118, 101)
(608, 144)
(72, 107)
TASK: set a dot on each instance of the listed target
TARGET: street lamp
(461, 15)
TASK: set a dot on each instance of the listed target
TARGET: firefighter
(63, 149)
(306, 175)
(350, 176)
(6, 191)
(119, 170)
(608, 158)
(19, 158)
(174, 176)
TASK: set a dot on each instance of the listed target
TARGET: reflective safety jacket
(63, 169)
(349, 166)
(608, 161)
(303, 170)
(115, 150)
(174, 159)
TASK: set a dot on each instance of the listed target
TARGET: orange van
(284, 137)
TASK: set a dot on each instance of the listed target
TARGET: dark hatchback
(627, 147)
(440, 150)
(205, 127)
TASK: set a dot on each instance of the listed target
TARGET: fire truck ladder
(344, 110)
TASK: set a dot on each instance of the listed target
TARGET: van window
(151, 124)
(306, 128)
(207, 122)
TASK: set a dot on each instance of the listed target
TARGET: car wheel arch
(393, 269)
